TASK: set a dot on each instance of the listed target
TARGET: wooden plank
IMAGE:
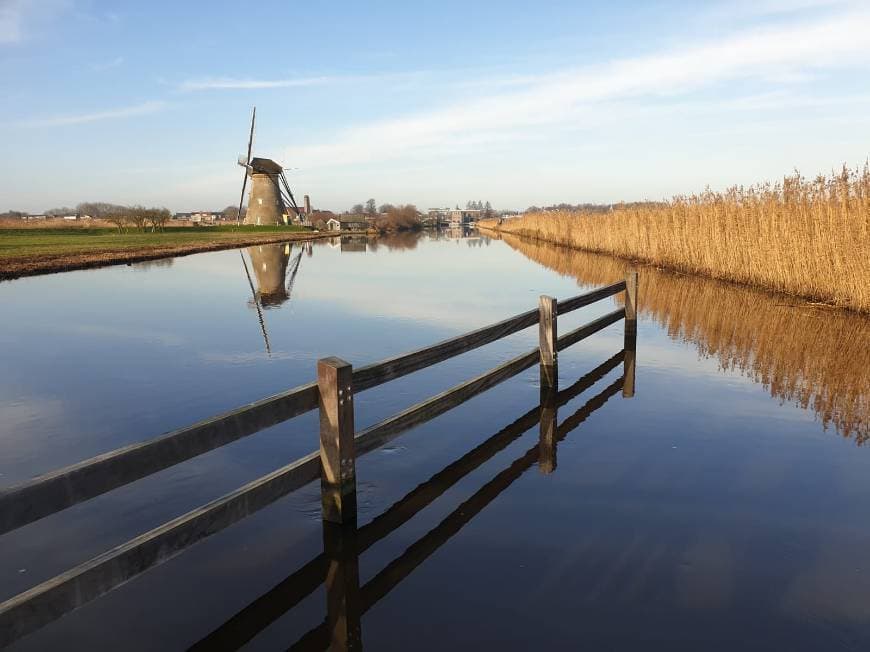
(337, 458)
(44, 495)
(63, 488)
(567, 305)
(48, 601)
(381, 372)
(547, 336)
(383, 432)
(589, 329)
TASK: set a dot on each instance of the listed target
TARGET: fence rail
(334, 463)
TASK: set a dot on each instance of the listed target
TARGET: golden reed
(812, 357)
(809, 238)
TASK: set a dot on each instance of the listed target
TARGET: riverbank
(28, 252)
(808, 239)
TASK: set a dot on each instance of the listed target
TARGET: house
(347, 223)
(197, 217)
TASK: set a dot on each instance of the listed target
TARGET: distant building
(347, 223)
(438, 216)
(198, 217)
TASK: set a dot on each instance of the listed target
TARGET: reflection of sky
(701, 506)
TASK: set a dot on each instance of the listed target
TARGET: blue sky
(427, 102)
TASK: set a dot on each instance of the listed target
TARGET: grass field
(34, 250)
(808, 238)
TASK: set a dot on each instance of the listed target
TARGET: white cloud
(232, 83)
(784, 54)
(219, 83)
(126, 112)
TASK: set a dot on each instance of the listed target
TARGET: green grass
(15, 243)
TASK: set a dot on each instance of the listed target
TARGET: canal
(721, 507)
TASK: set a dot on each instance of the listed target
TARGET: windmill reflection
(338, 566)
(275, 269)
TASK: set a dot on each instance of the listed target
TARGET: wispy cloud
(233, 83)
(566, 97)
(125, 112)
(107, 65)
(224, 83)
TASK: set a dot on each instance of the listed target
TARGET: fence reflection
(337, 567)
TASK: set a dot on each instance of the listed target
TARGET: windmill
(271, 200)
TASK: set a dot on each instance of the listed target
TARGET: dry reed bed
(809, 238)
(815, 358)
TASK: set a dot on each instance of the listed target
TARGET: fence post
(337, 460)
(630, 343)
(548, 336)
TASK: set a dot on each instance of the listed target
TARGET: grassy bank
(808, 238)
(27, 251)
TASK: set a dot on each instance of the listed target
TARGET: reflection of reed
(817, 359)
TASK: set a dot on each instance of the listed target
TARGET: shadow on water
(812, 357)
(338, 568)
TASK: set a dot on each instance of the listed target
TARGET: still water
(722, 507)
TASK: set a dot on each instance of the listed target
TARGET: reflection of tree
(149, 264)
(817, 359)
(400, 240)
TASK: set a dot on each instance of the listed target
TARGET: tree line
(389, 217)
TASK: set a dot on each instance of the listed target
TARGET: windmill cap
(265, 165)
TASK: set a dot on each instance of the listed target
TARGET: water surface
(721, 507)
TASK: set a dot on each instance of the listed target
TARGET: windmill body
(265, 204)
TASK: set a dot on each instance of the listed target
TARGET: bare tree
(231, 213)
(117, 217)
(157, 218)
(371, 207)
(59, 212)
(358, 209)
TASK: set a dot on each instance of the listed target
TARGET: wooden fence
(333, 463)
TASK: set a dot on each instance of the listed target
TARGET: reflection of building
(270, 268)
(351, 243)
(463, 216)
(460, 232)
